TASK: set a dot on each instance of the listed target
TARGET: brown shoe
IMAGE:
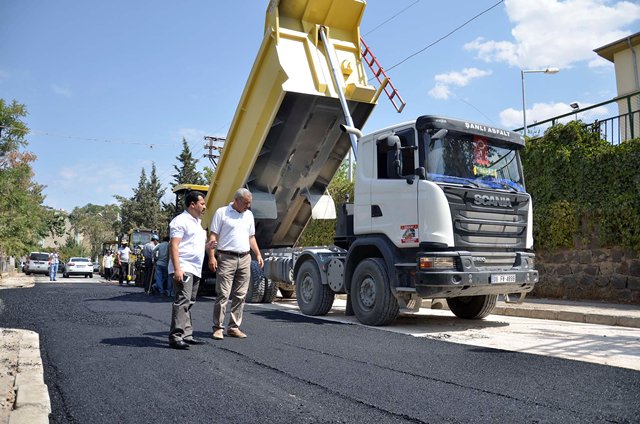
(235, 332)
(217, 334)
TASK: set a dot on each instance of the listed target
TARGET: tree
(144, 209)
(208, 173)
(186, 173)
(12, 130)
(96, 223)
(186, 169)
(22, 215)
(320, 232)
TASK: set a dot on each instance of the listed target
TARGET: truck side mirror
(394, 158)
(441, 133)
(393, 142)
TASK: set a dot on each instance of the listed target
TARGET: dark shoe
(180, 344)
(193, 341)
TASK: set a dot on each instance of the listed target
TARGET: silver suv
(37, 263)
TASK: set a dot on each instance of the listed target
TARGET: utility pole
(213, 150)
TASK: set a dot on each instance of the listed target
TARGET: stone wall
(611, 275)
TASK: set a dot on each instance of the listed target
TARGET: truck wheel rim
(307, 289)
(368, 292)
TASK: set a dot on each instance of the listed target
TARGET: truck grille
(494, 261)
(493, 226)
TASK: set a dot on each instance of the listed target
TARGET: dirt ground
(9, 346)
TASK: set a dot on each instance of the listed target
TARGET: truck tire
(256, 284)
(314, 298)
(472, 307)
(371, 297)
(270, 290)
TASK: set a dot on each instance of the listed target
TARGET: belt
(236, 254)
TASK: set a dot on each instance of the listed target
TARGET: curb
(571, 316)
(32, 404)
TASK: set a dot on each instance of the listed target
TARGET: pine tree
(186, 168)
(144, 209)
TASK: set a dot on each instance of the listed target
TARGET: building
(625, 56)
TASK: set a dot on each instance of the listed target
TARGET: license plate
(503, 278)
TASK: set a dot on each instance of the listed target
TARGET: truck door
(393, 198)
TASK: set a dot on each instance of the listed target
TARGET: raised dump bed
(284, 143)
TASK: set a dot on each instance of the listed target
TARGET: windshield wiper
(450, 179)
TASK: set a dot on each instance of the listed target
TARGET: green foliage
(144, 210)
(73, 248)
(13, 131)
(320, 232)
(23, 219)
(187, 172)
(96, 223)
(208, 174)
(584, 189)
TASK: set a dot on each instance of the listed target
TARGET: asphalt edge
(32, 403)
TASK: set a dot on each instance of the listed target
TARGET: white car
(78, 266)
(37, 263)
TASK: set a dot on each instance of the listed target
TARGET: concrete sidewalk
(574, 311)
(24, 398)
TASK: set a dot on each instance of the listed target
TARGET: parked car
(37, 263)
(78, 266)
(96, 267)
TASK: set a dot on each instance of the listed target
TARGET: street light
(524, 103)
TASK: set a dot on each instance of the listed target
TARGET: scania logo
(486, 200)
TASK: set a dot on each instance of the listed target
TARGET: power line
(446, 35)
(89, 139)
(477, 110)
(391, 18)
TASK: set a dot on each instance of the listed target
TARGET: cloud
(512, 118)
(68, 174)
(558, 33)
(60, 90)
(192, 134)
(442, 89)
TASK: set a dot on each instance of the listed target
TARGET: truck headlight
(437, 262)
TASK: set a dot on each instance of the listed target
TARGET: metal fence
(601, 118)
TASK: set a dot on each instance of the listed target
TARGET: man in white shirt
(54, 260)
(232, 235)
(186, 255)
(123, 262)
(107, 263)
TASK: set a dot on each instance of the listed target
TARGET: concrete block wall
(612, 275)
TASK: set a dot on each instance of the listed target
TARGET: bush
(584, 189)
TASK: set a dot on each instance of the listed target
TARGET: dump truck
(440, 208)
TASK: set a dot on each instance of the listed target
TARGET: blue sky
(113, 86)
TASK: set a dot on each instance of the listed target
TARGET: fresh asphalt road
(106, 359)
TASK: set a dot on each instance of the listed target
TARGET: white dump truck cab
(441, 206)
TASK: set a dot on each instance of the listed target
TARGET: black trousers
(148, 272)
(124, 272)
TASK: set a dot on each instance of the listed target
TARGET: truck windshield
(140, 238)
(468, 159)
